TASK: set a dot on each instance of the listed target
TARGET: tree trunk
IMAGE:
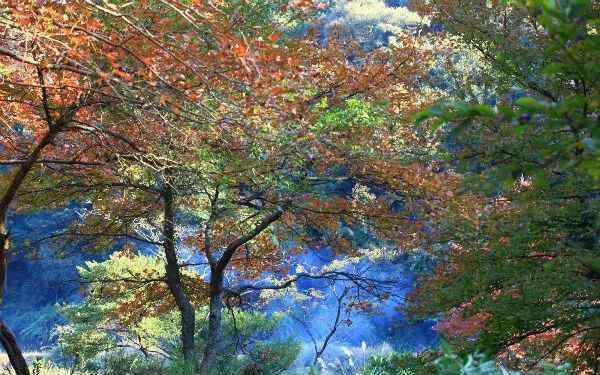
(15, 356)
(215, 316)
(217, 271)
(4, 247)
(7, 338)
(188, 321)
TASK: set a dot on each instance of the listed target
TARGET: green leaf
(482, 110)
(520, 129)
(530, 103)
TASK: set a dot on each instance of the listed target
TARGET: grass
(37, 365)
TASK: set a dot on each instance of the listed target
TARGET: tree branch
(235, 244)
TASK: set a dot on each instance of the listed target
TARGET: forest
(299, 187)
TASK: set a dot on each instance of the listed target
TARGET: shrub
(399, 364)
(478, 363)
(113, 332)
(152, 345)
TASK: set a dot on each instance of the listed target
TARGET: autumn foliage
(149, 108)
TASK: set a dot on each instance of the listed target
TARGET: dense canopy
(271, 187)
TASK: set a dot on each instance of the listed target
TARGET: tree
(72, 54)
(47, 104)
(521, 271)
(227, 124)
(229, 199)
(372, 23)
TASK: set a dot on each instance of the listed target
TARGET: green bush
(92, 341)
(478, 363)
(448, 362)
(399, 364)
(103, 335)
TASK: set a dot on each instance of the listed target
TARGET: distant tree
(370, 23)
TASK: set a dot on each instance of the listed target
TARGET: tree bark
(15, 356)
(9, 195)
(215, 316)
(217, 271)
(7, 338)
(188, 321)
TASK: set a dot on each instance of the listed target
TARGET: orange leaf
(277, 90)
(274, 37)
(162, 99)
(239, 49)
